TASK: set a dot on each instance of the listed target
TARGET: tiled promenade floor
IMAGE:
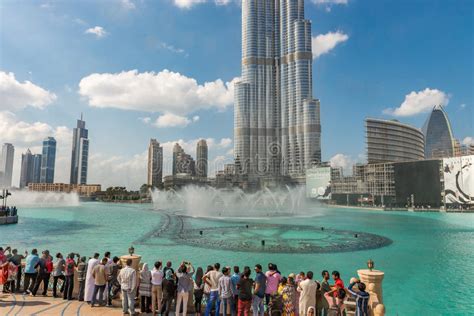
(19, 305)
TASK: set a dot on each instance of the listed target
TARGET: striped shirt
(128, 279)
(362, 301)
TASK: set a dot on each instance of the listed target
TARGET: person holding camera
(362, 298)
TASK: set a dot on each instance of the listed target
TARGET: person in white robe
(89, 290)
(307, 290)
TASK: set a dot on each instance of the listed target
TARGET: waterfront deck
(18, 304)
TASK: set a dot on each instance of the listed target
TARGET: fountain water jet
(43, 199)
(210, 202)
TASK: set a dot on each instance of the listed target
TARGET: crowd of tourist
(226, 291)
(8, 211)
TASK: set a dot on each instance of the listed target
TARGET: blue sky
(370, 56)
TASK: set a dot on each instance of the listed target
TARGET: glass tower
(439, 140)
(277, 127)
(49, 159)
(27, 166)
(80, 153)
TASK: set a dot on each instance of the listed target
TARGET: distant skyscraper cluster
(40, 168)
(183, 164)
(277, 127)
(80, 153)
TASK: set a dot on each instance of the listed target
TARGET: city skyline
(359, 71)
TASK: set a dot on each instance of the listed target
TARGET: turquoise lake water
(428, 266)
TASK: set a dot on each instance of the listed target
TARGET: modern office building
(392, 141)
(277, 129)
(80, 153)
(201, 158)
(6, 165)
(27, 166)
(439, 140)
(37, 159)
(182, 162)
(155, 164)
(49, 160)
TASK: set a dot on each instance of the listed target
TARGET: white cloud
(98, 31)
(468, 141)
(145, 120)
(324, 43)
(172, 48)
(462, 106)
(187, 4)
(419, 102)
(118, 170)
(171, 120)
(16, 95)
(222, 2)
(342, 161)
(165, 91)
(127, 4)
(329, 2)
(225, 142)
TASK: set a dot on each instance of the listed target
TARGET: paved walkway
(20, 305)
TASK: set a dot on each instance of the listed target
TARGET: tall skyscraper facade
(201, 158)
(439, 139)
(80, 153)
(37, 159)
(277, 130)
(155, 164)
(182, 162)
(27, 166)
(6, 165)
(392, 141)
(49, 160)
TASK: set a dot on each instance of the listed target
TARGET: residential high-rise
(6, 165)
(201, 158)
(27, 167)
(37, 159)
(392, 141)
(182, 162)
(439, 140)
(49, 159)
(277, 129)
(80, 153)
(155, 163)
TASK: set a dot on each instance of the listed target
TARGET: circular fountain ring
(277, 238)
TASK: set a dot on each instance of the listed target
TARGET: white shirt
(156, 277)
(128, 279)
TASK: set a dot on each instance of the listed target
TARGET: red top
(339, 284)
